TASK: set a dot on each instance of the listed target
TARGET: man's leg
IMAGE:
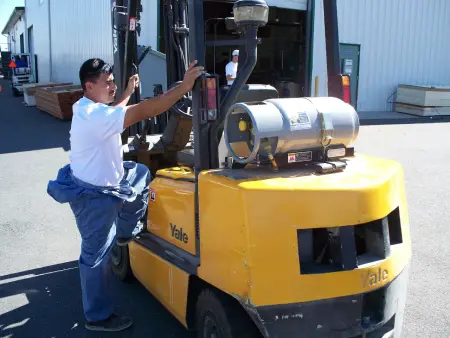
(95, 219)
(132, 212)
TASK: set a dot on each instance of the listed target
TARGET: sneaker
(123, 241)
(114, 323)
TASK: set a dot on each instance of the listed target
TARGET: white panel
(80, 29)
(149, 24)
(37, 16)
(402, 41)
(18, 28)
(291, 4)
(319, 68)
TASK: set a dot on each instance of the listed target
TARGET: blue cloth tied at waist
(102, 214)
(68, 188)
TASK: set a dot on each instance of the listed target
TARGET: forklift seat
(249, 93)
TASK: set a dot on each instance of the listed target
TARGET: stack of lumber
(58, 101)
(29, 90)
(423, 100)
(5, 58)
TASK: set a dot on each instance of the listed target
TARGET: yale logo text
(179, 234)
(372, 278)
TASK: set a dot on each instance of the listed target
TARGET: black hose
(243, 74)
(230, 98)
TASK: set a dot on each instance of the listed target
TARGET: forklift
(285, 231)
(22, 72)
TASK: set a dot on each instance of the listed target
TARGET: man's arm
(153, 106)
(230, 78)
(229, 73)
(158, 105)
(123, 100)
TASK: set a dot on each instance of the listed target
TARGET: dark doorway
(283, 55)
(22, 44)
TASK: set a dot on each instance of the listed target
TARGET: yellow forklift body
(171, 210)
(249, 223)
(250, 247)
(164, 281)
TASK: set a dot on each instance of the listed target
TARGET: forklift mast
(184, 40)
(335, 88)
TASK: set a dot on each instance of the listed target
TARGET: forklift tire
(218, 316)
(120, 263)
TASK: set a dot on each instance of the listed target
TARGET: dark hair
(91, 70)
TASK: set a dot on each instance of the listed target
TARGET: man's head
(97, 80)
(235, 55)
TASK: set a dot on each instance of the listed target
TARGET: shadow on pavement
(46, 302)
(25, 128)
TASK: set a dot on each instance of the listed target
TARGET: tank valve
(268, 149)
(273, 162)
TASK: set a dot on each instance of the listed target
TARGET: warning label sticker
(299, 120)
(303, 156)
(152, 195)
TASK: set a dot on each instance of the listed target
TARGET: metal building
(384, 43)
(388, 43)
(15, 29)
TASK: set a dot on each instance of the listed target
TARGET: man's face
(235, 58)
(103, 90)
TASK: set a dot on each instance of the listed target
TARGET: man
(107, 195)
(231, 67)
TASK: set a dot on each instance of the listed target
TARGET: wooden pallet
(421, 110)
(58, 101)
(29, 90)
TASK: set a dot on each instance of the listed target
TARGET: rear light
(210, 97)
(346, 89)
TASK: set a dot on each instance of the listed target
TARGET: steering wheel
(183, 105)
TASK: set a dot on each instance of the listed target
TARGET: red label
(152, 195)
(132, 24)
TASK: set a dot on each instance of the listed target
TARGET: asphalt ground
(39, 280)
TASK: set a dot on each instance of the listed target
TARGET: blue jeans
(102, 213)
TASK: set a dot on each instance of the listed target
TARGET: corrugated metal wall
(80, 29)
(17, 30)
(37, 16)
(319, 62)
(402, 41)
(292, 4)
(149, 24)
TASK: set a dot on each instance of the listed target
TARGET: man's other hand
(133, 83)
(191, 75)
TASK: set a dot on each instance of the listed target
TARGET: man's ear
(89, 86)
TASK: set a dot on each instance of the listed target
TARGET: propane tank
(279, 126)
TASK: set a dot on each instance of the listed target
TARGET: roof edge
(13, 18)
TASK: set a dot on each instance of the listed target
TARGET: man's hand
(133, 82)
(159, 104)
(191, 75)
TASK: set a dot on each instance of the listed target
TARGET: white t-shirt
(96, 155)
(231, 69)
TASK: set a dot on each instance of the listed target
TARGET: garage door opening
(282, 57)
(282, 53)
